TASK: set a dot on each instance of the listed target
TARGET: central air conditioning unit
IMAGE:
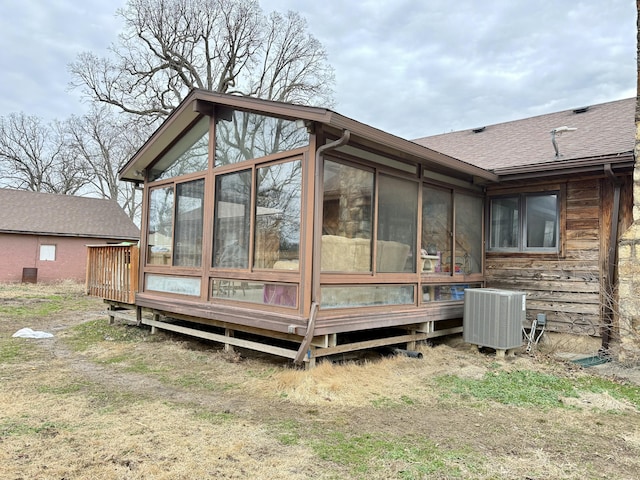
(493, 318)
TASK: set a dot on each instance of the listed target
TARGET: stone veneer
(629, 276)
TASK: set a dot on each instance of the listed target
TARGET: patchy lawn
(114, 402)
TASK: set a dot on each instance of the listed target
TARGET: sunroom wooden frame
(308, 330)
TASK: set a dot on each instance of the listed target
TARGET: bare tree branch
(104, 142)
(36, 157)
(169, 47)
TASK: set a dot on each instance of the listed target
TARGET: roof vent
(478, 130)
(557, 132)
(581, 110)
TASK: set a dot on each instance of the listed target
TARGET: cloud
(39, 39)
(410, 67)
(419, 68)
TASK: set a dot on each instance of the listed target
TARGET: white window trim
(47, 253)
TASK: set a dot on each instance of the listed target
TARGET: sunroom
(300, 232)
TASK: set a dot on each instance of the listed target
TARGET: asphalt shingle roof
(603, 130)
(50, 214)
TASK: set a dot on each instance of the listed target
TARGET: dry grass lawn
(115, 402)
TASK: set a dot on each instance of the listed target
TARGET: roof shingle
(602, 130)
(50, 214)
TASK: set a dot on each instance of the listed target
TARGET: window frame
(252, 166)
(371, 215)
(173, 183)
(438, 266)
(176, 151)
(523, 222)
(377, 170)
(45, 250)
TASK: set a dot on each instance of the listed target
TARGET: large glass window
(188, 224)
(347, 218)
(349, 296)
(172, 284)
(175, 224)
(189, 154)
(437, 229)
(524, 222)
(468, 238)
(505, 223)
(445, 292)
(397, 221)
(451, 232)
(160, 227)
(265, 293)
(277, 227)
(541, 225)
(232, 220)
(244, 136)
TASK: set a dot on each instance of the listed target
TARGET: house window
(437, 228)
(468, 237)
(348, 214)
(451, 232)
(47, 253)
(276, 217)
(175, 224)
(244, 136)
(347, 218)
(189, 154)
(188, 224)
(277, 227)
(525, 222)
(350, 296)
(397, 224)
(179, 285)
(232, 220)
(160, 226)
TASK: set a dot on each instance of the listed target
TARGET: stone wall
(629, 277)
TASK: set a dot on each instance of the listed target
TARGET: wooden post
(227, 346)
(156, 318)
(411, 345)
(312, 358)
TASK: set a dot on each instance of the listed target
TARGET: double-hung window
(524, 222)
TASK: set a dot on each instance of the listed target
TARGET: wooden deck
(278, 343)
(112, 274)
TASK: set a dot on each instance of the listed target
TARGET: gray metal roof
(64, 215)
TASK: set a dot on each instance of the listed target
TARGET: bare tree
(169, 47)
(35, 156)
(104, 141)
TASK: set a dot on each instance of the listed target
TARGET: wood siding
(569, 286)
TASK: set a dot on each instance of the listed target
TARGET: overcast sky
(410, 67)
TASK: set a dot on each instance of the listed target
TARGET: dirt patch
(602, 401)
(130, 405)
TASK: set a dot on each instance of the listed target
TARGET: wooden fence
(112, 272)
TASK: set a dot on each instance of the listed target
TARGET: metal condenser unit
(493, 318)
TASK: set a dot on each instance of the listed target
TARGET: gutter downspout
(611, 259)
(317, 243)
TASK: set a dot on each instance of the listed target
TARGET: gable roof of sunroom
(203, 102)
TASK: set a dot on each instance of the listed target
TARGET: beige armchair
(342, 254)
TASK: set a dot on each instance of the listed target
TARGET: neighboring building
(555, 216)
(43, 237)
